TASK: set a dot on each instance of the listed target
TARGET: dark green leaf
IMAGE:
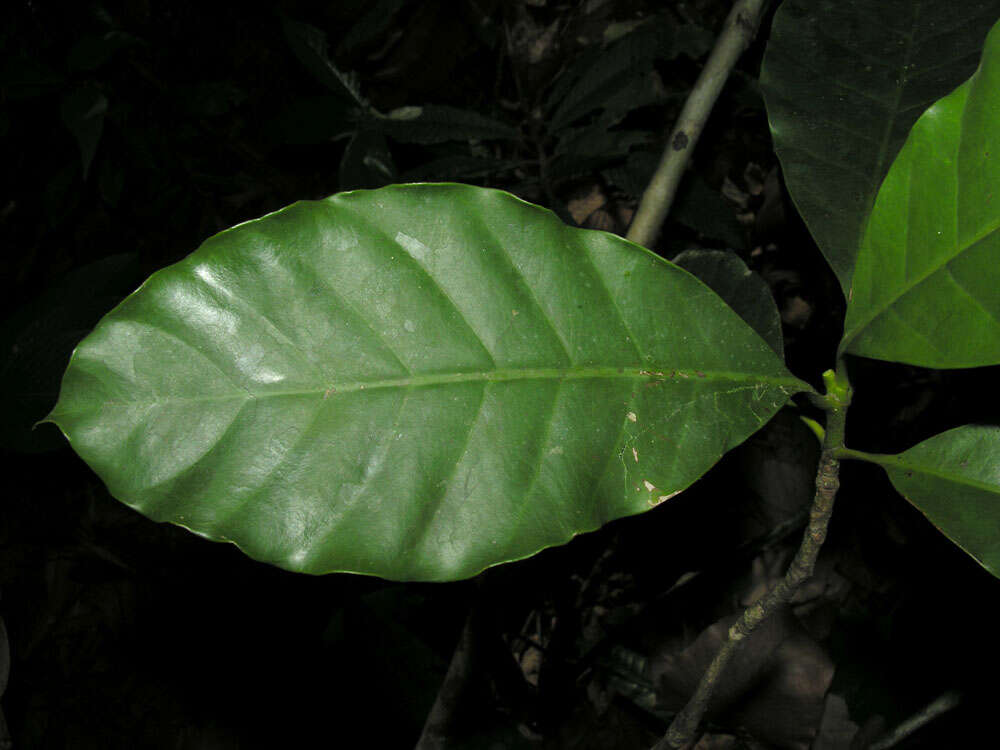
(634, 175)
(597, 77)
(309, 45)
(367, 162)
(707, 211)
(926, 288)
(214, 98)
(568, 166)
(416, 382)
(954, 479)
(83, 111)
(640, 91)
(844, 80)
(379, 17)
(313, 119)
(457, 167)
(597, 141)
(92, 51)
(435, 123)
(742, 289)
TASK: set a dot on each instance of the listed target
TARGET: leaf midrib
(912, 284)
(329, 390)
(899, 464)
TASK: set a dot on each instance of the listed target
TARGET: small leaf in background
(370, 26)
(707, 211)
(83, 111)
(311, 120)
(94, 50)
(310, 46)
(598, 141)
(110, 180)
(598, 76)
(36, 342)
(459, 168)
(214, 98)
(366, 162)
(926, 288)
(416, 382)
(843, 81)
(742, 289)
(954, 479)
(633, 176)
(435, 123)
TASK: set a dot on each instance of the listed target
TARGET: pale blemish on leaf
(632, 417)
(653, 502)
(635, 455)
(412, 245)
(329, 392)
(409, 325)
(557, 451)
(649, 485)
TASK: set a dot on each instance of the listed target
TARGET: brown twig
(737, 33)
(943, 703)
(682, 730)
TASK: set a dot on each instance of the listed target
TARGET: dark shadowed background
(132, 131)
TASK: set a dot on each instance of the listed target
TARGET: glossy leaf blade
(926, 289)
(954, 479)
(742, 289)
(844, 80)
(415, 382)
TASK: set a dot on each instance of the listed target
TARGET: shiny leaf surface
(415, 382)
(844, 80)
(926, 289)
(742, 289)
(954, 479)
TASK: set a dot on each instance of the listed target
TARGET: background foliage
(132, 131)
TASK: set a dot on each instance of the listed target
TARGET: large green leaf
(926, 289)
(954, 479)
(844, 80)
(742, 289)
(415, 382)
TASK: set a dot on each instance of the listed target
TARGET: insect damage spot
(649, 485)
(632, 417)
(653, 502)
(329, 392)
(635, 455)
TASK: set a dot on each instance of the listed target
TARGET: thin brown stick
(737, 33)
(943, 703)
(684, 726)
